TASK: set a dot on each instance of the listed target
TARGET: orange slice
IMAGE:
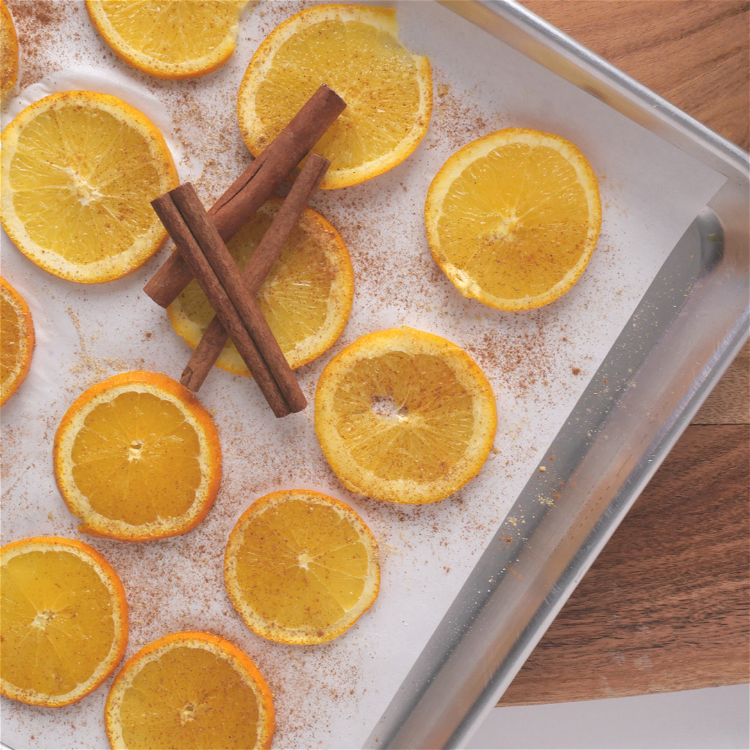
(355, 50)
(137, 457)
(63, 621)
(17, 344)
(301, 567)
(513, 218)
(404, 416)
(172, 38)
(189, 690)
(78, 173)
(306, 298)
(8, 51)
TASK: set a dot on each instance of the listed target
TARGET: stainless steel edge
(689, 326)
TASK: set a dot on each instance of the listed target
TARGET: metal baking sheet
(333, 696)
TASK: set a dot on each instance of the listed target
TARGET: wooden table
(665, 606)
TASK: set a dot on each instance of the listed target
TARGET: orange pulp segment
(171, 38)
(17, 343)
(355, 50)
(137, 457)
(78, 172)
(63, 621)
(404, 416)
(189, 690)
(301, 567)
(306, 298)
(513, 218)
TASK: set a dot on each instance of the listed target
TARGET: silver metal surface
(688, 328)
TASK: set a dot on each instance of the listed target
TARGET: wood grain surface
(666, 605)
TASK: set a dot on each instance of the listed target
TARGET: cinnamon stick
(250, 190)
(189, 205)
(178, 229)
(258, 267)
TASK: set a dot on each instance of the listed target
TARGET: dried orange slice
(63, 621)
(355, 50)
(8, 51)
(301, 567)
(404, 416)
(78, 173)
(137, 457)
(17, 344)
(306, 298)
(189, 690)
(172, 38)
(513, 218)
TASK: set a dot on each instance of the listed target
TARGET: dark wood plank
(692, 52)
(729, 402)
(666, 606)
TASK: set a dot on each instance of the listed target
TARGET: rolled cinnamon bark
(258, 267)
(251, 189)
(180, 232)
(210, 243)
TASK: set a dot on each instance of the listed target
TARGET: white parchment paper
(538, 362)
